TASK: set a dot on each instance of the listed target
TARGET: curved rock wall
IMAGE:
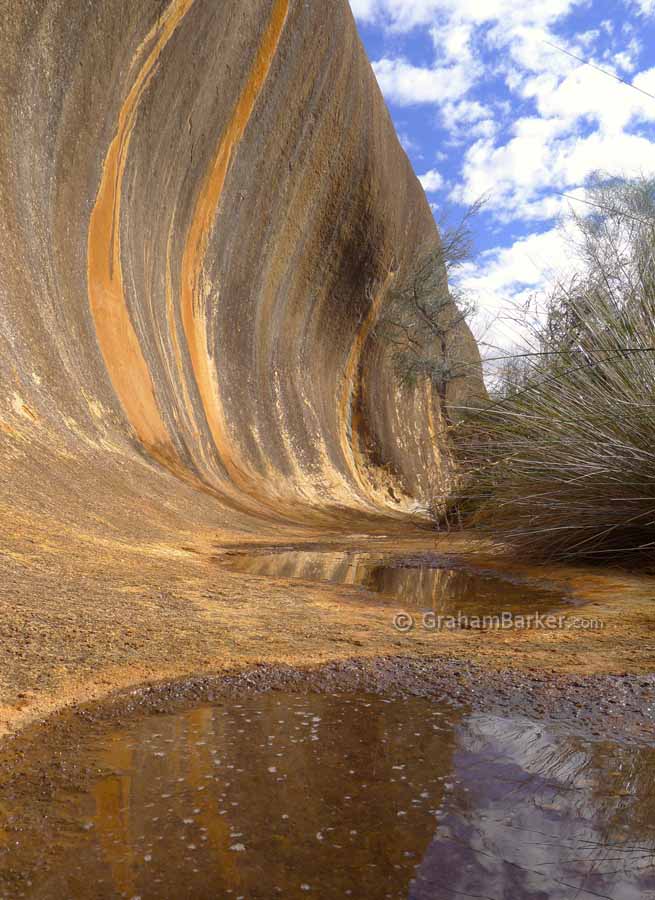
(202, 205)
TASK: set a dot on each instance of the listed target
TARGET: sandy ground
(162, 626)
(165, 611)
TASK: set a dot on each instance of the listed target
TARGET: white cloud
(485, 128)
(431, 181)
(465, 112)
(402, 15)
(588, 94)
(466, 120)
(510, 174)
(453, 40)
(525, 121)
(365, 10)
(627, 154)
(504, 279)
(646, 7)
(543, 157)
(522, 266)
(533, 47)
(408, 85)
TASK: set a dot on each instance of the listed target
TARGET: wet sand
(170, 611)
(48, 770)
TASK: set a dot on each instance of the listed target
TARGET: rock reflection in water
(426, 582)
(348, 796)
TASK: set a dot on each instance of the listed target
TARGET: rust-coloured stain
(194, 314)
(118, 340)
(110, 523)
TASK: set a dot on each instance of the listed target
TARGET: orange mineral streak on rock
(187, 404)
(194, 291)
(118, 340)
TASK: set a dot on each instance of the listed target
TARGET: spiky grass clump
(563, 464)
(569, 467)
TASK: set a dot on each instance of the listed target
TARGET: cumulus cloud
(453, 40)
(431, 181)
(364, 10)
(525, 122)
(646, 7)
(545, 155)
(504, 280)
(407, 85)
(586, 93)
(402, 15)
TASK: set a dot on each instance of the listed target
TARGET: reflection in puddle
(350, 796)
(426, 582)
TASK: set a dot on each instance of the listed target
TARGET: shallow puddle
(424, 581)
(333, 796)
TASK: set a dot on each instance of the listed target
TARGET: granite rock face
(202, 205)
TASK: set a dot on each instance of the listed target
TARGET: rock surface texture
(202, 205)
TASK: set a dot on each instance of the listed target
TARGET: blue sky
(484, 106)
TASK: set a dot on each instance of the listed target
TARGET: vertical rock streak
(214, 323)
(351, 373)
(195, 316)
(115, 332)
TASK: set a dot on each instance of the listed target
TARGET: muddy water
(426, 581)
(333, 796)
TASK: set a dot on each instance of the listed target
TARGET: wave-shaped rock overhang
(202, 208)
